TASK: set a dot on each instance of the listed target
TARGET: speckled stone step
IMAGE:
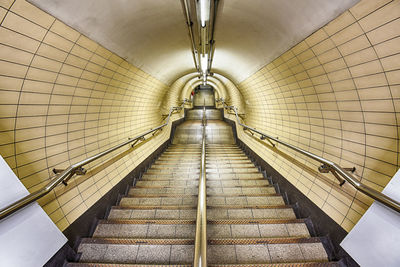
(134, 228)
(241, 190)
(186, 183)
(162, 191)
(165, 175)
(229, 212)
(245, 200)
(233, 175)
(257, 228)
(162, 201)
(140, 252)
(269, 251)
(172, 213)
(293, 264)
(234, 183)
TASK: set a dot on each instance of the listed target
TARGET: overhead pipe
(189, 23)
(214, 11)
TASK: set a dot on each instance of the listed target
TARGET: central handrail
(327, 166)
(76, 168)
(200, 245)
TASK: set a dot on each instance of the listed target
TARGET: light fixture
(204, 12)
(204, 63)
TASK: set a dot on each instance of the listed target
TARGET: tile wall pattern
(336, 94)
(63, 98)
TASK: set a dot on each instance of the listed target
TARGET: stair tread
(248, 221)
(292, 264)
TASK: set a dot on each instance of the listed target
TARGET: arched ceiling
(153, 36)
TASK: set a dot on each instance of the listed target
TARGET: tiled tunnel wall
(63, 98)
(336, 94)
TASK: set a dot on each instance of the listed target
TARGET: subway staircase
(249, 223)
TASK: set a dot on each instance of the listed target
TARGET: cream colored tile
(347, 34)
(339, 23)
(23, 26)
(12, 70)
(6, 3)
(316, 37)
(375, 93)
(391, 62)
(32, 13)
(388, 48)
(46, 64)
(15, 55)
(354, 45)
(51, 52)
(371, 81)
(385, 32)
(58, 42)
(11, 84)
(361, 56)
(363, 8)
(65, 31)
(368, 68)
(381, 16)
(41, 75)
(393, 77)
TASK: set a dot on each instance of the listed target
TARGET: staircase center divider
(200, 244)
(340, 173)
(77, 168)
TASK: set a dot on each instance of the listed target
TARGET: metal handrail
(66, 174)
(340, 173)
(200, 246)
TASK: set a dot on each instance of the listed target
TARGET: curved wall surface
(64, 98)
(336, 94)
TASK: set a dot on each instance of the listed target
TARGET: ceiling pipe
(201, 17)
(189, 22)
(214, 12)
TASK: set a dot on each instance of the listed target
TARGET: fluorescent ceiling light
(204, 12)
(204, 63)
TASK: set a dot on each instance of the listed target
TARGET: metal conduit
(200, 245)
(66, 174)
(340, 173)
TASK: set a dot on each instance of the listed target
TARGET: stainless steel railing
(340, 173)
(200, 244)
(77, 168)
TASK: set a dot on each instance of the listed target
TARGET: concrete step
(265, 250)
(165, 191)
(146, 228)
(246, 200)
(161, 201)
(235, 170)
(171, 175)
(224, 176)
(153, 212)
(292, 264)
(139, 251)
(233, 228)
(241, 190)
(221, 212)
(210, 191)
(197, 114)
(189, 183)
(234, 183)
(219, 251)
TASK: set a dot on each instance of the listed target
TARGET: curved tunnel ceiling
(153, 36)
